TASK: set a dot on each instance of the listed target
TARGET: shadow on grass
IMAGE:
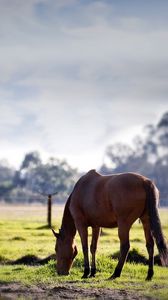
(43, 227)
(18, 238)
(29, 260)
(135, 257)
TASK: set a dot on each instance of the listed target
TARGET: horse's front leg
(83, 232)
(93, 248)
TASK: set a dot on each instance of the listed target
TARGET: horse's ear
(54, 233)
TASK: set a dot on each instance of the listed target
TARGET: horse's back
(100, 200)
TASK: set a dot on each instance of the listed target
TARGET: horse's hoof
(148, 278)
(91, 275)
(93, 272)
(84, 276)
(112, 277)
(149, 275)
(86, 273)
(116, 274)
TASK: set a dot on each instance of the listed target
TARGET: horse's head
(65, 253)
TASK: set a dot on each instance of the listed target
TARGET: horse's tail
(154, 219)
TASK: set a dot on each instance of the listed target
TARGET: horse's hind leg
(123, 233)
(93, 248)
(149, 246)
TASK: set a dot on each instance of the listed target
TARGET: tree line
(148, 156)
(34, 179)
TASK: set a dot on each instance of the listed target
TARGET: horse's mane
(68, 224)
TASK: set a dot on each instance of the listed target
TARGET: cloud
(88, 51)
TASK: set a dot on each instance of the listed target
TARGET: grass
(24, 233)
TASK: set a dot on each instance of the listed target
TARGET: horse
(109, 201)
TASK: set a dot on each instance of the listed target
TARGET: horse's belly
(108, 221)
(104, 224)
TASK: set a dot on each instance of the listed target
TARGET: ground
(19, 291)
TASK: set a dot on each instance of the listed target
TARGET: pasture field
(24, 235)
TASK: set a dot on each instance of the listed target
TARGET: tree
(6, 178)
(34, 177)
(31, 159)
(53, 176)
(116, 156)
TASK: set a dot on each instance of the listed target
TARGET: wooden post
(49, 207)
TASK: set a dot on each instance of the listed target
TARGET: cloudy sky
(78, 75)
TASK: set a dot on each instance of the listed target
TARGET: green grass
(21, 235)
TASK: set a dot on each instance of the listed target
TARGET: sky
(78, 75)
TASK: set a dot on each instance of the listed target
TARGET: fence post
(49, 207)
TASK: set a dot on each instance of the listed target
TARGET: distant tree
(56, 175)
(31, 159)
(163, 123)
(116, 156)
(6, 178)
(35, 178)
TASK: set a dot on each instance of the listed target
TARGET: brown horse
(109, 201)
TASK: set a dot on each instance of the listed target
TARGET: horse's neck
(68, 225)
